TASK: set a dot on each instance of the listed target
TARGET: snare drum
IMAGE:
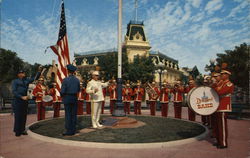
(47, 100)
(203, 100)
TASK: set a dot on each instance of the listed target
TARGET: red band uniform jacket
(154, 98)
(56, 98)
(39, 91)
(81, 94)
(112, 92)
(178, 94)
(127, 94)
(224, 91)
(164, 95)
(138, 93)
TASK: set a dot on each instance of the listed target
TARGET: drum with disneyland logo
(203, 100)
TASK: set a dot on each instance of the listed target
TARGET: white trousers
(96, 108)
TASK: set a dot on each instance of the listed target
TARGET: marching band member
(80, 99)
(206, 120)
(147, 99)
(127, 92)
(178, 91)
(94, 88)
(191, 113)
(88, 103)
(217, 82)
(40, 91)
(224, 91)
(164, 99)
(104, 91)
(113, 95)
(153, 98)
(138, 93)
(56, 101)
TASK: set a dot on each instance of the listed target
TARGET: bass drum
(203, 100)
(47, 100)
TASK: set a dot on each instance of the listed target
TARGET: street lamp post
(161, 71)
(119, 111)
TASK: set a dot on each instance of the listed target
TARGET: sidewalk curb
(118, 145)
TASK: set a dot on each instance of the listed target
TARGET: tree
(108, 64)
(10, 64)
(141, 69)
(238, 64)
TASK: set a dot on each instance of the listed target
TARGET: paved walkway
(28, 147)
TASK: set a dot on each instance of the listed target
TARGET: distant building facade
(135, 43)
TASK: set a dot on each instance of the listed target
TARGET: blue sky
(190, 31)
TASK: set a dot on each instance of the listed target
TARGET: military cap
(21, 71)
(71, 67)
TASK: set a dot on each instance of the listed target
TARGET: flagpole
(119, 110)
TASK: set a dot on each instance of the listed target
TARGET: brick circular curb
(118, 145)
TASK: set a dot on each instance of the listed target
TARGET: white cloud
(30, 40)
(195, 3)
(181, 31)
(240, 8)
(198, 17)
(179, 35)
(213, 6)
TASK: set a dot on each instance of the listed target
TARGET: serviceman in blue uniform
(70, 88)
(20, 102)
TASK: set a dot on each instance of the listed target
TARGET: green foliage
(141, 69)
(10, 64)
(238, 64)
(108, 64)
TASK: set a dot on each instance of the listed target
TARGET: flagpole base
(119, 106)
(119, 111)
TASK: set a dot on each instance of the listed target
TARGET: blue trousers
(20, 108)
(70, 117)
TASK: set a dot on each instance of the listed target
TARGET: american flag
(61, 49)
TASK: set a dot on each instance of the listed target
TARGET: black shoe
(67, 134)
(17, 134)
(24, 133)
(221, 147)
(215, 144)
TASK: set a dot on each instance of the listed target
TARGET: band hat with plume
(225, 72)
(224, 69)
(41, 78)
(165, 83)
(215, 74)
(96, 73)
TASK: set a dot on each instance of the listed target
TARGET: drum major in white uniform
(94, 88)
